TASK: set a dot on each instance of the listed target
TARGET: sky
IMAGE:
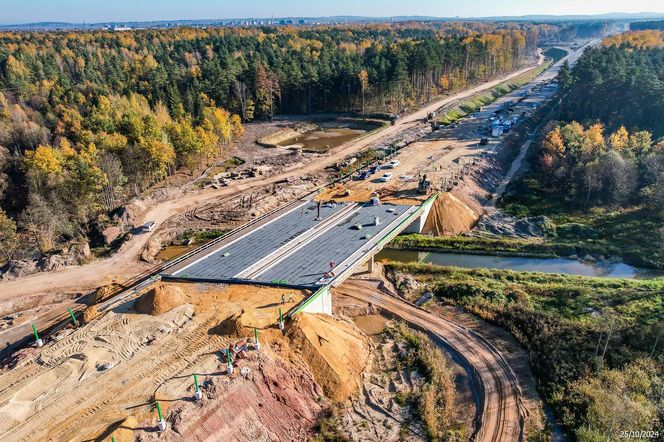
(77, 11)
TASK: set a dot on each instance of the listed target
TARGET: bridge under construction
(307, 244)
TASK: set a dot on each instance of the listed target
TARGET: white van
(150, 226)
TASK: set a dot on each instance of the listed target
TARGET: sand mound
(450, 216)
(335, 350)
(89, 314)
(104, 292)
(232, 325)
(161, 299)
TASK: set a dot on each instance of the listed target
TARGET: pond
(328, 136)
(520, 264)
(170, 252)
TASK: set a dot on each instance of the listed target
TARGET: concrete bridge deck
(294, 248)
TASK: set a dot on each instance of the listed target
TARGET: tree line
(248, 70)
(620, 83)
(595, 167)
(647, 25)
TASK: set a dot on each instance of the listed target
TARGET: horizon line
(377, 17)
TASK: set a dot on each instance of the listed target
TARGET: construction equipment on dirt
(424, 185)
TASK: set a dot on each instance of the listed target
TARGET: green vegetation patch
(509, 246)
(636, 234)
(585, 338)
(198, 236)
(435, 399)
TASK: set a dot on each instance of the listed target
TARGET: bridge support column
(418, 224)
(371, 264)
(322, 303)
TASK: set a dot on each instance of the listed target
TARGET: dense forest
(647, 25)
(590, 29)
(594, 167)
(88, 119)
(304, 70)
(617, 90)
(620, 83)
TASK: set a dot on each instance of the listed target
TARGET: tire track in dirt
(100, 401)
(501, 413)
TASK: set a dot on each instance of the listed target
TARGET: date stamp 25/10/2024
(639, 434)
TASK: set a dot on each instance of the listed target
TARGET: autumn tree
(7, 235)
(576, 158)
(363, 78)
(619, 140)
(114, 179)
(267, 90)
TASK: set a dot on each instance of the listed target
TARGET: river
(520, 264)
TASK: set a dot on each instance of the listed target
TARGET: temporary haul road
(500, 412)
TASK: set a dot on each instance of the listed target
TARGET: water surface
(520, 264)
(322, 140)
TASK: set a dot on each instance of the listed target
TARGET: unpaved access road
(501, 412)
(124, 263)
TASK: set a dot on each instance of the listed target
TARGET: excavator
(424, 185)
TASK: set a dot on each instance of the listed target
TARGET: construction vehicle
(424, 185)
(150, 226)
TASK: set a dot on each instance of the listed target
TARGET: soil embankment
(122, 360)
(450, 215)
(335, 350)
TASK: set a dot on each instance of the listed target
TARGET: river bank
(505, 261)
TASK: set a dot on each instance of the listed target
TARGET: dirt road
(501, 413)
(124, 263)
